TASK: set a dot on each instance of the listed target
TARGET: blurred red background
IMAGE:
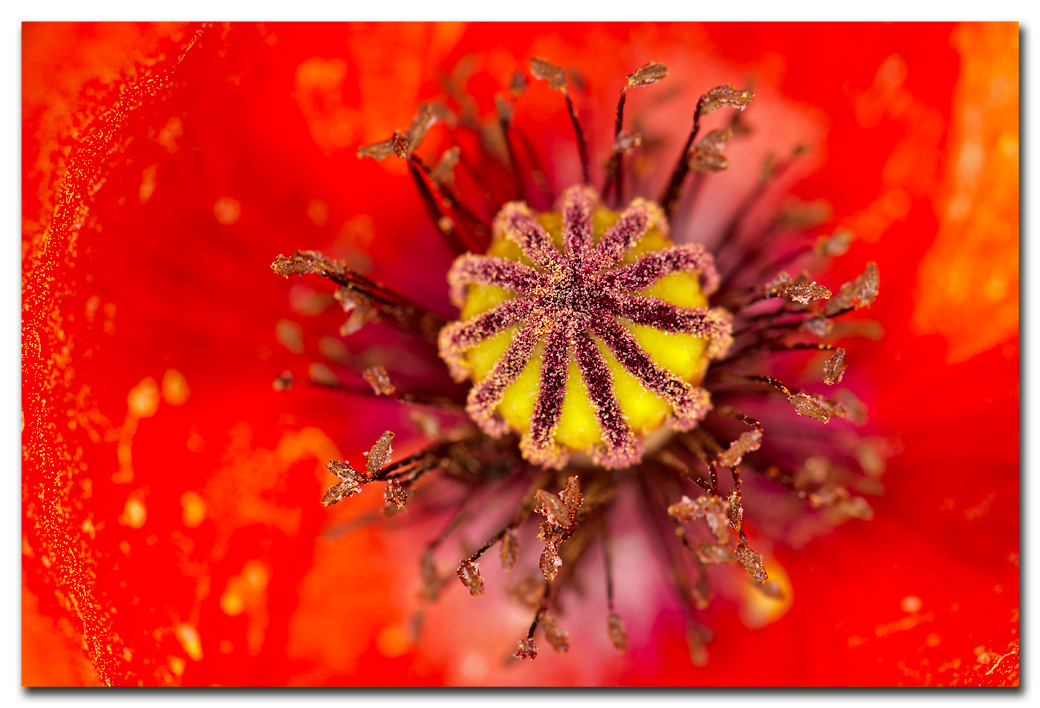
(172, 532)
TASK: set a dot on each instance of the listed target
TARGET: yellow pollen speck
(231, 602)
(188, 637)
(911, 604)
(143, 399)
(134, 513)
(256, 575)
(317, 212)
(226, 647)
(193, 509)
(393, 641)
(227, 210)
(245, 591)
(147, 187)
(176, 665)
(175, 389)
(195, 443)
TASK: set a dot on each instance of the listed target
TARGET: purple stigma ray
(624, 234)
(620, 447)
(690, 402)
(568, 295)
(578, 203)
(650, 267)
(490, 270)
(457, 337)
(517, 223)
(538, 445)
(664, 316)
(487, 394)
(488, 324)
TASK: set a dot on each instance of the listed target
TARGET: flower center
(584, 329)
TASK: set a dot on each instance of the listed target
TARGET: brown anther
(377, 377)
(379, 456)
(834, 368)
(469, 574)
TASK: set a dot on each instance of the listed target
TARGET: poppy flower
(172, 527)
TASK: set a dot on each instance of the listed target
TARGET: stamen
(542, 69)
(711, 101)
(440, 177)
(615, 625)
(401, 311)
(644, 76)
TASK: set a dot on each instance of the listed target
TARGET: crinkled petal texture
(172, 525)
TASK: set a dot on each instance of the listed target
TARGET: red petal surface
(172, 528)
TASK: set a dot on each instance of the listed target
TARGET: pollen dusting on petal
(469, 574)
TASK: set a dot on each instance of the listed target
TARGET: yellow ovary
(682, 354)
